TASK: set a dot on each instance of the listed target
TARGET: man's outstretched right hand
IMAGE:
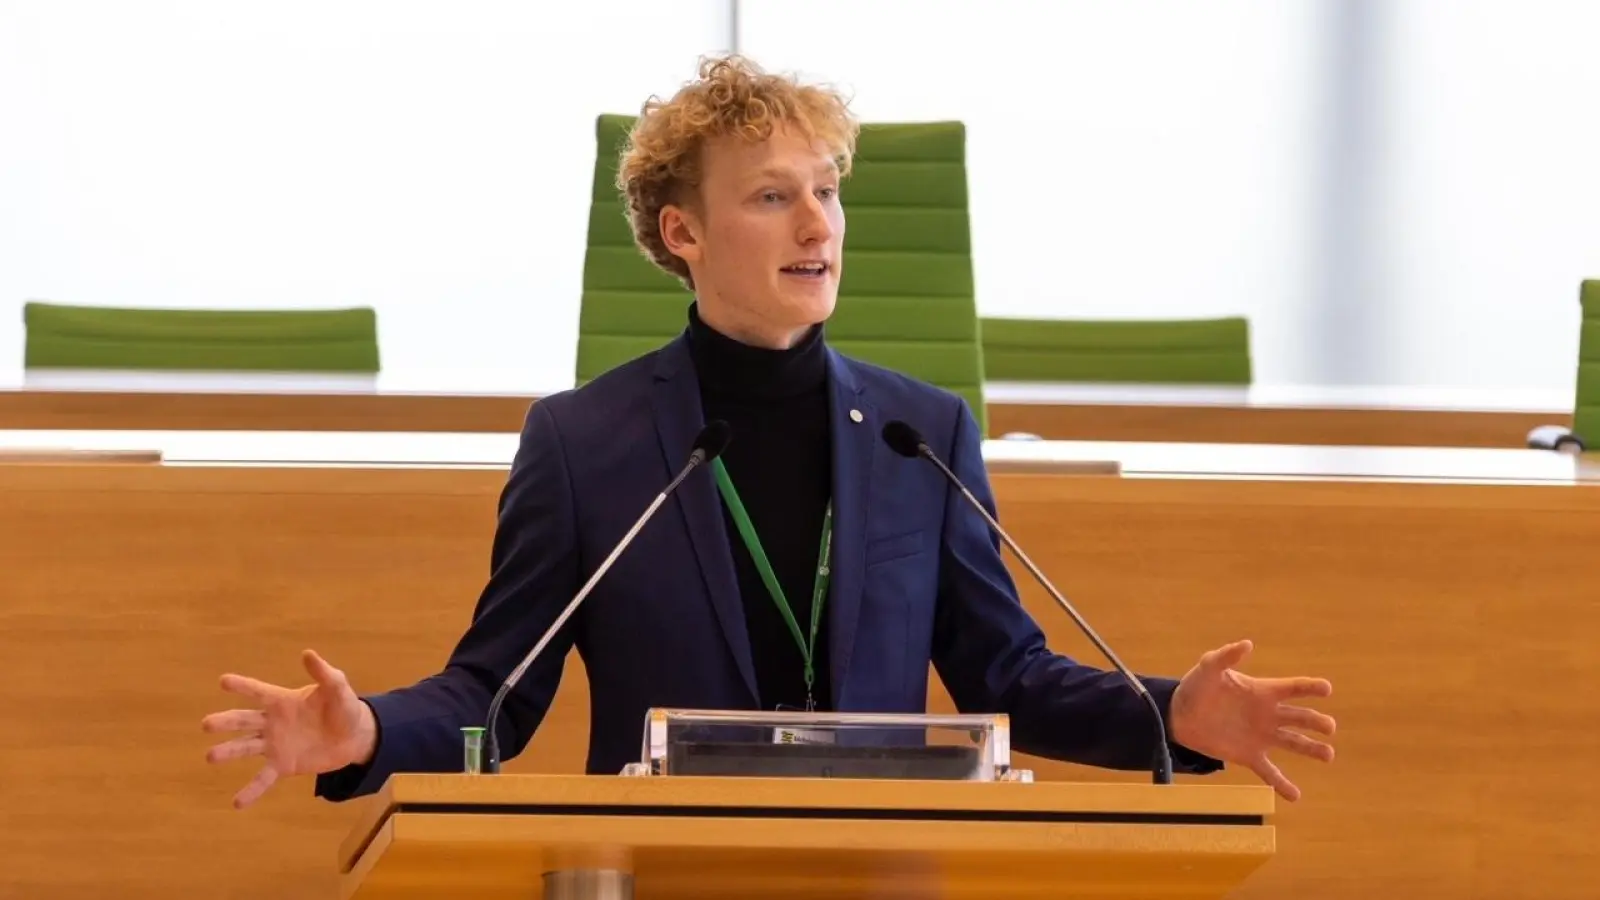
(321, 727)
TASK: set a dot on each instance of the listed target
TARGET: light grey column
(1346, 339)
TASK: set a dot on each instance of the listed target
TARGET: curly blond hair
(733, 96)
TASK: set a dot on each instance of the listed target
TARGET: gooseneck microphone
(907, 442)
(708, 445)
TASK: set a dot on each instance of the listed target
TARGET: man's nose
(814, 226)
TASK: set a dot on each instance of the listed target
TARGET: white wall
(1138, 159)
(1395, 193)
(1488, 205)
(431, 159)
(1398, 194)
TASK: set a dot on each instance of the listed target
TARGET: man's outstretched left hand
(1237, 718)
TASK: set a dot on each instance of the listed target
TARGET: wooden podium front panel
(500, 857)
(716, 838)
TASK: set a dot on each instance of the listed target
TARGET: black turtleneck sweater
(776, 402)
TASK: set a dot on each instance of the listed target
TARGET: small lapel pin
(855, 415)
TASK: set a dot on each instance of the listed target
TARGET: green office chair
(1195, 351)
(1585, 431)
(96, 337)
(906, 297)
(1586, 416)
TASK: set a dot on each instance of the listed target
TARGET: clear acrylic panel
(782, 744)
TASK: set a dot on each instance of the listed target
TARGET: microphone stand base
(588, 884)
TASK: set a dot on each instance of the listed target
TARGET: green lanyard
(819, 591)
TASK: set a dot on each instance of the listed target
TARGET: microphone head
(903, 439)
(712, 440)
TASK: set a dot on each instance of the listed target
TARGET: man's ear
(680, 231)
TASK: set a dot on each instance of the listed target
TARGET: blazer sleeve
(533, 574)
(991, 655)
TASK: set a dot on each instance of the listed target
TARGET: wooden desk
(1135, 459)
(497, 400)
(1455, 617)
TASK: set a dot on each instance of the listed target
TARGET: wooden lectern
(523, 836)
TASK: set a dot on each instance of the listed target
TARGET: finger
(1227, 656)
(256, 690)
(323, 674)
(1285, 688)
(258, 785)
(1299, 743)
(1307, 719)
(1272, 775)
(238, 748)
(234, 720)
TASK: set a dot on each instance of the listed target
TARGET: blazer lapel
(854, 428)
(679, 419)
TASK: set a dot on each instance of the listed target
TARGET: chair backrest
(1189, 351)
(220, 340)
(1586, 416)
(906, 297)
(628, 306)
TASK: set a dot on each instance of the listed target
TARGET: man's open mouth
(806, 269)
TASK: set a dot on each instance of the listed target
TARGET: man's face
(766, 235)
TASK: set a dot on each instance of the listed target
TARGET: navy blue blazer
(918, 578)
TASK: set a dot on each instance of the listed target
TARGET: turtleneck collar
(730, 367)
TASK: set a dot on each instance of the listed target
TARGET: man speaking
(813, 568)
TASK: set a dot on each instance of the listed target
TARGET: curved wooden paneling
(1456, 622)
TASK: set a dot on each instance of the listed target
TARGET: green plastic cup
(472, 746)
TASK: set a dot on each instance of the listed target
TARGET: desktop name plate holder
(795, 744)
